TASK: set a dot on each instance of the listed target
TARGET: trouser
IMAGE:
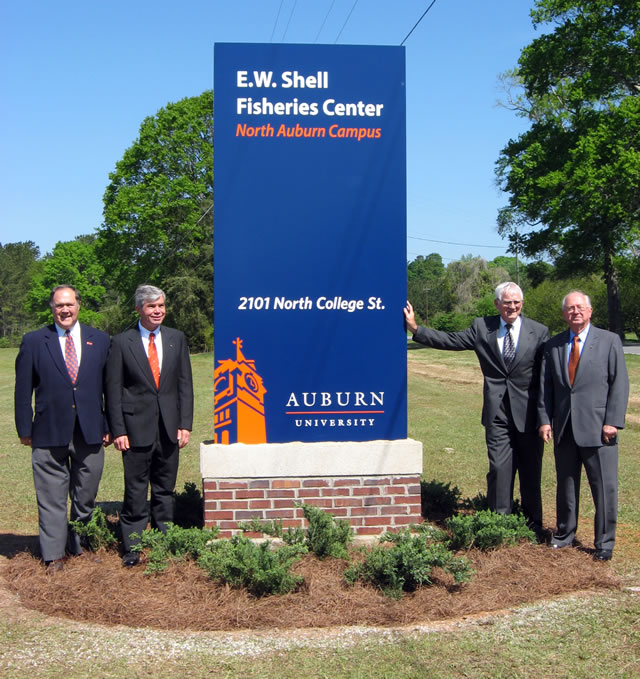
(62, 472)
(156, 466)
(601, 466)
(512, 451)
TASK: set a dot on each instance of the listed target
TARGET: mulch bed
(96, 588)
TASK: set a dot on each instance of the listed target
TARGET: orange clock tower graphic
(238, 400)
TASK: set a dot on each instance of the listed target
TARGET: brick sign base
(373, 484)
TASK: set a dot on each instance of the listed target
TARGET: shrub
(262, 570)
(487, 530)
(406, 564)
(438, 499)
(97, 532)
(177, 544)
(274, 529)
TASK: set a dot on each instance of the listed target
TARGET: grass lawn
(580, 636)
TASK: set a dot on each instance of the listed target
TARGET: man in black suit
(584, 389)
(149, 396)
(509, 348)
(63, 363)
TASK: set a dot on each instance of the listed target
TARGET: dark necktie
(153, 360)
(70, 357)
(574, 357)
(509, 349)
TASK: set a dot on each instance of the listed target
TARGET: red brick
(413, 490)
(234, 484)
(406, 520)
(315, 483)
(406, 479)
(395, 490)
(348, 502)
(280, 493)
(249, 494)
(247, 515)
(346, 482)
(368, 530)
(259, 483)
(356, 521)
(259, 504)
(210, 485)
(252, 534)
(217, 516)
(280, 514)
(366, 491)
(233, 504)
(286, 483)
(377, 501)
(335, 492)
(407, 499)
(336, 511)
(228, 525)
(225, 534)
(377, 481)
(291, 523)
(309, 493)
(217, 494)
(319, 503)
(278, 504)
(378, 521)
(395, 509)
(365, 511)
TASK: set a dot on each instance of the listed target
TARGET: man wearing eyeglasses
(509, 348)
(584, 389)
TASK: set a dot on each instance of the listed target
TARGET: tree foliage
(573, 175)
(158, 225)
(18, 263)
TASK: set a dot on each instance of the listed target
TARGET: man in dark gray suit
(509, 348)
(584, 389)
(149, 396)
(63, 365)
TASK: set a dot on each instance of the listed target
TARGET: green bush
(438, 499)
(487, 530)
(274, 529)
(97, 532)
(177, 544)
(262, 570)
(406, 564)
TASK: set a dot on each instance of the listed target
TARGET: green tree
(74, 263)
(18, 263)
(573, 176)
(158, 225)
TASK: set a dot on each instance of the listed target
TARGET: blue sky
(78, 78)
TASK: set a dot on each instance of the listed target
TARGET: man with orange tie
(149, 397)
(584, 389)
(63, 364)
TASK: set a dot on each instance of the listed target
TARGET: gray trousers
(59, 473)
(601, 465)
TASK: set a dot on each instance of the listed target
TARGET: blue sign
(310, 243)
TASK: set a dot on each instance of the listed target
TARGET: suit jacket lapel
(588, 350)
(492, 339)
(524, 341)
(52, 343)
(137, 349)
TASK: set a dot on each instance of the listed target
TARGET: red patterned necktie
(574, 357)
(70, 357)
(153, 359)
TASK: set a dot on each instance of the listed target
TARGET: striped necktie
(508, 350)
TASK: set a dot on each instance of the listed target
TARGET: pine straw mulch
(96, 588)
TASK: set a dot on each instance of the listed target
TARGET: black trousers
(512, 451)
(154, 466)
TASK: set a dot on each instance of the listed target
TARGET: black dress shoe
(54, 566)
(603, 554)
(130, 559)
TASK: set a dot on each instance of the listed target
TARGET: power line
(276, 21)
(470, 245)
(417, 22)
(345, 22)
(324, 21)
(293, 9)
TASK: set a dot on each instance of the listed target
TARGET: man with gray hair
(584, 390)
(149, 398)
(509, 348)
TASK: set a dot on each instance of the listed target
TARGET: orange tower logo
(238, 394)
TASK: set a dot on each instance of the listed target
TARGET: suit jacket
(520, 380)
(134, 404)
(40, 367)
(600, 390)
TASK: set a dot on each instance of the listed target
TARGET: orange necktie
(574, 357)
(153, 359)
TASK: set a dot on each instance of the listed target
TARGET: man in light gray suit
(584, 389)
(509, 348)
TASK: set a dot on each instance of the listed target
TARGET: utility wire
(324, 21)
(417, 22)
(470, 245)
(293, 9)
(273, 32)
(345, 22)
